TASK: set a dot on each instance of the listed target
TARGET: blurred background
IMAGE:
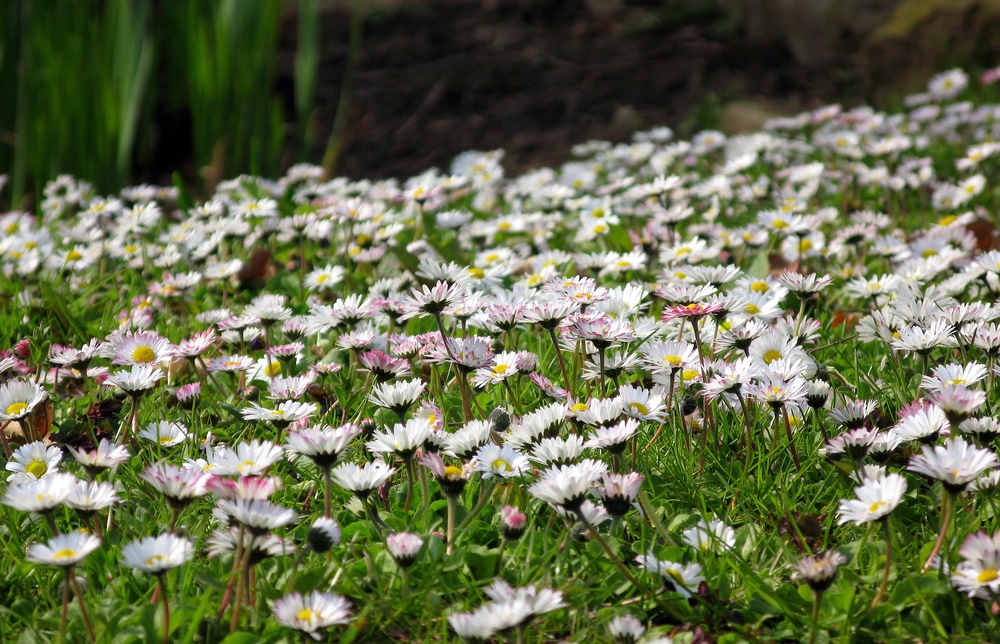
(191, 91)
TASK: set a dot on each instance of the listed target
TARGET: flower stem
(162, 585)
(326, 498)
(888, 563)
(483, 500)
(65, 607)
(814, 620)
(947, 503)
(562, 361)
(83, 606)
(409, 483)
(451, 525)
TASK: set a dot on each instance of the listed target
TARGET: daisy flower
(140, 348)
(64, 550)
(313, 613)
(324, 279)
(40, 496)
(281, 416)
(956, 463)
(711, 535)
(978, 575)
(876, 498)
(106, 456)
(466, 441)
(179, 486)
(33, 461)
(322, 444)
(156, 555)
(504, 366)
(505, 462)
(619, 492)
(19, 397)
(398, 396)
(362, 480)
(91, 496)
(165, 433)
(403, 440)
(566, 486)
(258, 516)
(247, 459)
(679, 578)
(819, 571)
(404, 547)
(138, 380)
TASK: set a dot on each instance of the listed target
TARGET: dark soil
(534, 77)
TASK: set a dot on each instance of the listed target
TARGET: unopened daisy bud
(188, 395)
(323, 535)
(626, 629)
(619, 492)
(368, 427)
(23, 349)
(817, 394)
(689, 405)
(512, 523)
(499, 420)
(497, 346)
(819, 571)
(404, 547)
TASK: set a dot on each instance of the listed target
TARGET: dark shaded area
(536, 77)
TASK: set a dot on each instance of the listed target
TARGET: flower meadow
(720, 390)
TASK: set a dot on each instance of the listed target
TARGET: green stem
(888, 563)
(814, 620)
(947, 503)
(483, 500)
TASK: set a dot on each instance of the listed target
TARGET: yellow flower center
(683, 250)
(477, 273)
(165, 440)
(452, 472)
(154, 560)
(945, 221)
(74, 255)
(272, 369)
(986, 576)
(771, 356)
(751, 308)
(307, 615)
(37, 469)
(805, 246)
(16, 409)
(144, 354)
(363, 240)
(760, 287)
(65, 553)
(673, 361)
(131, 248)
(875, 507)
(502, 465)
(501, 369)
(780, 224)
(930, 252)
(578, 407)
(689, 374)
(638, 408)
(322, 279)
